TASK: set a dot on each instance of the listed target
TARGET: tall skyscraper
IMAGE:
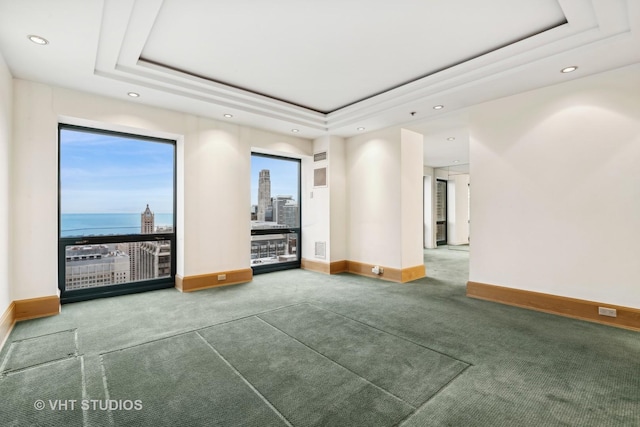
(147, 226)
(147, 221)
(264, 194)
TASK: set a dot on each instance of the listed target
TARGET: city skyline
(283, 174)
(109, 174)
(97, 265)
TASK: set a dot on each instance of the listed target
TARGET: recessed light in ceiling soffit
(391, 74)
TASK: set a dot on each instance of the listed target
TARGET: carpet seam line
(246, 381)
(455, 377)
(197, 329)
(5, 361)
(38, 365)
(45, 335)
(4, 372)
(85, 415)
(105, 384)
(344, 367)
(392, 334)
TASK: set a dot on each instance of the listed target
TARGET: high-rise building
(151, 259)
(264, 194)
(147, 226)
(95, 265)
(290, 214)
(154, 260)
(279, 203)
(147, 221)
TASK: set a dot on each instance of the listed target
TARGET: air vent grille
(321, 250)
(320, 177)
(318, 157)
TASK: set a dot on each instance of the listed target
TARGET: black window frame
(76, 295)
(445, 222)
(268, 268)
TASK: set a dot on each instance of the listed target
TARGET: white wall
(411, 169)
(556, 189)
(214, 159)
(317, 224)
(6, 106)
(338, 201)
(326, 210)
(428, 214)
(373, 186)
(458, 205)
(384, 185)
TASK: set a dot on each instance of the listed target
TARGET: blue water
(73, 225)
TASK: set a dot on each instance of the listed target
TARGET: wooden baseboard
(317, 266)
(324, 267)
(413, 273)
(205, 281)
(391, 274)
(7, 321)
(37, 307)
(628, 318)
(338, 267)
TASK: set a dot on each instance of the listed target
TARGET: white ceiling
(320, 67)
(333, 53)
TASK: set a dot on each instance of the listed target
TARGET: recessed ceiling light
(360, 129)
(37, 39)
(133, 94)
(228, 116)
(438, 107)
(456, 161)
(451, 138)
(569, 69)
(295, 130)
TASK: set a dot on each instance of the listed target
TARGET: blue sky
(112, 174)
(283, 173)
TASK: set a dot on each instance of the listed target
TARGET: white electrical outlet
(222, 277)
(375, 270)
(604, 311)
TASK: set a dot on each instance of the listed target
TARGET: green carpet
(307, 388)
(38, 350)
(191, 386)
(45, 395)
(407, 370)
(302, 348)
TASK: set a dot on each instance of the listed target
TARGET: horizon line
(111, 213)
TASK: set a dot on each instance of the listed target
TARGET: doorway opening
(441, 212)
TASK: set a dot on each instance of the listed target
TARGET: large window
(275, 213)
(116, 213)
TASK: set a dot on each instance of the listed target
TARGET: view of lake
(97, 224)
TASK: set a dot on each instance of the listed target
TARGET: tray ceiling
(330, 67)
(326, 55)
